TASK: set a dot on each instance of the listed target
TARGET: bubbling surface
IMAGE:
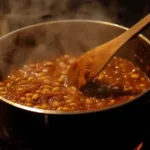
(43, 85)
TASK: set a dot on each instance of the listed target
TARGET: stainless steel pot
(22, 124)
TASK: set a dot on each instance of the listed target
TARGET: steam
(38, 42)
(30, 44)
(29, 12)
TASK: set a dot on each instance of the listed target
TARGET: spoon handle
(123, 38)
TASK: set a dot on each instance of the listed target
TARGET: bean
(56, 103)
(2, 88)
(73, 104)
(88, 101)
(56, 84)
(131, 97)
(29, 69)
(47, 81)
(3, 92)
(99, 104)
(35, 97)
(38, 106)
(28, 99)
(17, 79)
(45, 89)
(65, 109)
(135, 76)
(32, 65)
(142, 85)
(122, 65)
(73, 88)
(1, 84)
(55, 89)
(13, 100)
(59, 108)
(62, 78)
(127, 88)
(66, 56)
(20, 89)
(28, 94)
(69, 101)
(71, 61)
(44, 92)
(142, 79)
(22, 99)
(47, 86)
(25, 76)
(29, 104)
(46, 70)
(4, 96)
(39, 66)
(41, 74)
(43, 78)
(66, 97)
(101, 77)
(38, 91)
(44, 106)
(64, 72)
(24, 81)
(30, 79)
(112, 101)
(62, 65)
(48, 64)
(8, 85)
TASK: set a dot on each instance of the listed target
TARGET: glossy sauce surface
(43, 85)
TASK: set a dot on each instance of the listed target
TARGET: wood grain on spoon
(88, 65)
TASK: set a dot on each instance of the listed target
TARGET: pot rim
(42, 111)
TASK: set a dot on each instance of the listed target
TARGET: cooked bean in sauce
(43, 85)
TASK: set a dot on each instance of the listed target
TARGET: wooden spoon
(88, 65)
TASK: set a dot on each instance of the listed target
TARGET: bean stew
(43, 85)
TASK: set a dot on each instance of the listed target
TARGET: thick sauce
(43, 85)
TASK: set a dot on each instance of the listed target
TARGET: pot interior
(50, 40)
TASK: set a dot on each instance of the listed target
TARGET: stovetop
(85, 142)
(89, 140)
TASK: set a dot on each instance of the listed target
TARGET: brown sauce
(43, 85)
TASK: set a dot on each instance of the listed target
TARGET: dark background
(15, 14)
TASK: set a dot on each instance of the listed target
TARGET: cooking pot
(113, 127)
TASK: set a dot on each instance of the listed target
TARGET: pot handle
(4, 27)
